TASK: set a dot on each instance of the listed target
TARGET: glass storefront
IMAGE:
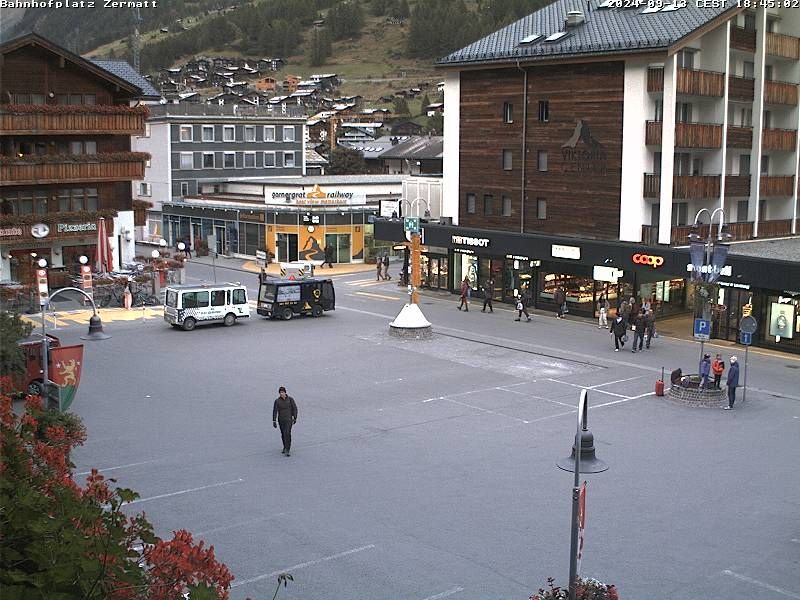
(434, 272)
(666, 297)
(465, 265)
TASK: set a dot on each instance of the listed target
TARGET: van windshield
(266, 293)
(172, 298)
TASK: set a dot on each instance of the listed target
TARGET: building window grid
(488, 205)
(185, 134)
(288, 133)
(269, 159)
(249, 133)
(542, 161)
(288, 159)
(506, 206)
(228, 133)
(541, 209)
(208, 133)
(208, 160)
(249, 160)
(229, 160)
(145, 189)
(186, 161)
(269, 133)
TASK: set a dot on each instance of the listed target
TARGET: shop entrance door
(340, 242)
(725, 325)
(286, 244)
(220, 239)
(197, 233)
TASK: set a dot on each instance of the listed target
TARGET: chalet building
(65, 155)
(419, 155)
(195, 143)
(578, 139)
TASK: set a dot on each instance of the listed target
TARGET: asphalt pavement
(426, 469)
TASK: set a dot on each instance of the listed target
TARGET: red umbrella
(102, 259)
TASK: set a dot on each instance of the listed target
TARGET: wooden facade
(691, 82)
(776, 186)
(581, 141)
(743, 39)
(778, 92)
(737, 186)
(784, 140)
(740, 137)
(683, 186)
(687, 135)
(741, 88)
(20, 120)
(786, 46)
(107, 167)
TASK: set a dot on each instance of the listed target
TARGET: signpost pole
(744, 386)
(416, 276)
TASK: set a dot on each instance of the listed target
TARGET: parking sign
(702, 329)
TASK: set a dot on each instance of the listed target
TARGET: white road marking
(379, 296)
(761, 584)
(104, 469)
(534, 397)
(583, 387)
(310, 563)
(486, 410)
(591, 387)
(239, 524)
(445, 594)
(187, 491)
(795, 540)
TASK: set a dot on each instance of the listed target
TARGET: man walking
(464, 294)
(284, 413)
(733, 381)
(488, 290)
(379, 266)
(705, 371)
(717, 368)
(328, 257)
(560, 298)
(638, 331)
(602, 310)
(618, 330)
(386, 275)
(649, 328)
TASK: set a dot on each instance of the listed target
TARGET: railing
(743, 39)
(652, 185)
(780, 139)
(740, 137)
(679, 236)
(777, 228)
(737, 186)
(695, 82)
(778, 92)
(14, 122)
(787, 46)
(698, 135)
(741, 88)
(107, 167)
(683, 186)
(655, 79)
(776, 185)
(652, 135)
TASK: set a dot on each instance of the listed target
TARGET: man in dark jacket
(284, 413)
(638, 325)
(488, 290)
(328, 257)
(649, 327)
(733, 381)
(560, 298)
(618, 330)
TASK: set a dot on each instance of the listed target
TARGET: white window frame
(184, 186)
(190, 156)
(205, 128)
(145, 189)
(181, 129)
(225, 155)
(252, 130)
(225, 130)
(213, 160)
(541, 161)
(146, 133)
(287, 129)
(269, 133)
(274, 163)
(508, 159)
(287, 166)
(244, 160)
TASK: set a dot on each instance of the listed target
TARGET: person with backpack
(717, 368)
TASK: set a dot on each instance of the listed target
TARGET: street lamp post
(416, 249)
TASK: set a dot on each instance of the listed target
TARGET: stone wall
(695, 397)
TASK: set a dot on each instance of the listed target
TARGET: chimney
(574, 18)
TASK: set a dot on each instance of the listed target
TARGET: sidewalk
(250, 266)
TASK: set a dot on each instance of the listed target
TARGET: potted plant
(202, 250)
(587, 589)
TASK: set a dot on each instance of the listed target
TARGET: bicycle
(141, 298)
(109, 295)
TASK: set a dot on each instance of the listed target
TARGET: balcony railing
(737, 186)
(687, 135)
(655, 80)
(778, 92)
(695, 82)
(776, 186)
(679, 236)
(743, 39)
(780, 139)
(683, 186)
(121, 166)
(652, 134)
(787, 46)
(740, 137)
(110, 120)
(741, 88)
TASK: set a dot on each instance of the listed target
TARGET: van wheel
(316, 311)
(230, 319)
(189, 324)
(287, 314)
(35, 388)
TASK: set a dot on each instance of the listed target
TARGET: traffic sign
(411, 224)
(702, 329)
(745, 338)
(748, 325)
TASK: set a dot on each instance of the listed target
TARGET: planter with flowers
(587, 589)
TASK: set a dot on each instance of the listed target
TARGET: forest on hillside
(276, 28)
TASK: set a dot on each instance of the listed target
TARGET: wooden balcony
(741, 88)
(786, 46)
(698, 135)
(737, 186)
(740, 137)
(694, 82)
(778, 92)
(772, 186)
(743, 39)
(108, 120)
(652, 134)
(784, 140)
(683, 186)
(121, 166)
(679, 236)
(655, 79)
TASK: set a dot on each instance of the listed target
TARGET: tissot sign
(317, 195)
(463, 240)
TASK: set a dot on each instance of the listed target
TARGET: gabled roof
(123, 69)
(371, 149)
(605, 31)
(33, 39)
(418, 148)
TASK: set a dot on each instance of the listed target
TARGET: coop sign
(462, 240)
(75, 227)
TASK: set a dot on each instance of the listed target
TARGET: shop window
(269, 159)
(185, 133)
(541, 209)
(228, 133)
(542, 160)
(471, 204)
(507, 160)
(249, 133)
(269, 133)
(249, 159)
(208, 133)
(488, 205)
(208, 160)
(544, 111)
(229, 160)
(508, 112)
(506, 206)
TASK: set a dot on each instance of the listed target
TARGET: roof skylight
(529, 39)
(555, 36)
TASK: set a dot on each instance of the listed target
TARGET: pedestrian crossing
(365, 282)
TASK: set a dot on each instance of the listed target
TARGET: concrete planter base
(697, 398)
(410, 323)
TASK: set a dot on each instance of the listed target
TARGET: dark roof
(417, 148)
(605, 31)
(124, 70)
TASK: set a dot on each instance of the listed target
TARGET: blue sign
(746, 338)
(411, 224)
(702, 329)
